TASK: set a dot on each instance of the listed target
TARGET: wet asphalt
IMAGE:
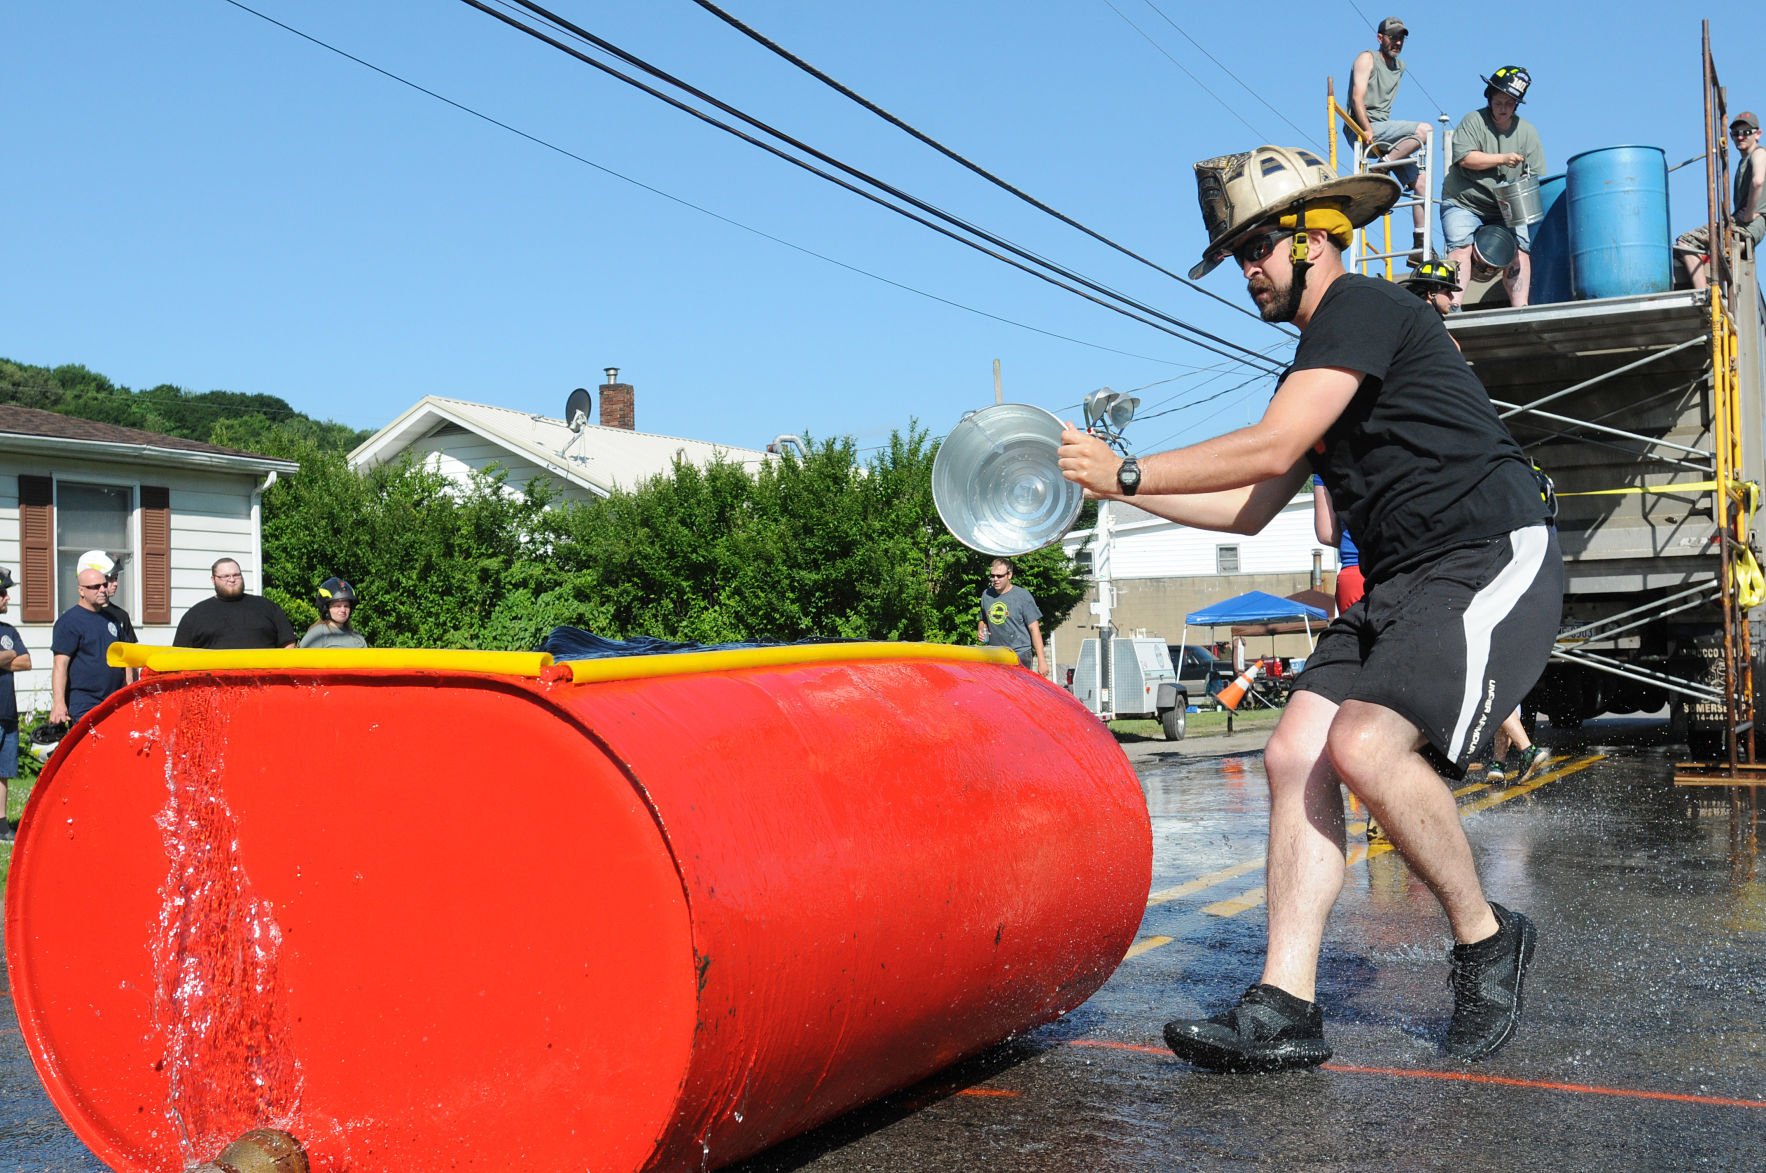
(1643, 1044)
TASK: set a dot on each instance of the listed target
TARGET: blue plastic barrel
(1551, 245)
(1619, 235)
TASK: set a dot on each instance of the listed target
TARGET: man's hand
(1088, 462)
(57, 713)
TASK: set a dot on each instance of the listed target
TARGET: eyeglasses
(1249, 252)
(1738, 135)
(228, 577)
(98, 587)
(1007, 574)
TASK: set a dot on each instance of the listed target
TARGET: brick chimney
(617, 410)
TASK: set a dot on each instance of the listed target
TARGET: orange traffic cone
(1232, 694)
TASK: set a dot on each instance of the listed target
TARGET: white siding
(1148, 547)
(212, 517)
(457, 454)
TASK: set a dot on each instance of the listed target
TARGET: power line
(608, 171)
(1070, 275)
(847, 92)
(1186, 36)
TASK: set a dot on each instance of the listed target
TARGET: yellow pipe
(533, 664)
(685, 663)
(164, 659)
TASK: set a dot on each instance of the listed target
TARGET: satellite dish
(576, 409)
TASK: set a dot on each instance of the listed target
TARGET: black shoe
(5, 831)
(1486, 979)
(1269, 1030)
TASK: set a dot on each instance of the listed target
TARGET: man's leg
(1376, 753)
(1305, 870)
(1276, 1025)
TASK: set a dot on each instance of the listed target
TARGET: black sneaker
(1486, 979)
(1269, 1030)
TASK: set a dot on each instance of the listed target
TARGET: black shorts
(1452, 645)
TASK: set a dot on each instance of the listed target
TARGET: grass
(1198, 725)
(17, 791)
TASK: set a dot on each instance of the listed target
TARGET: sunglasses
(1249, 252)
(1741, 134)
(1007, 575)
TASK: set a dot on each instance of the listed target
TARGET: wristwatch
(1128, 477)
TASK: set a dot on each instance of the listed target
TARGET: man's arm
(1036, 646)
(1324, 517)
(1358, 75)
(58, 689)
(1235, 482)
(1751, 206)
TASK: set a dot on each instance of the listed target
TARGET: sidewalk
(1216, 745)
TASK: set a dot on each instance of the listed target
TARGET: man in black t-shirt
(233, 619)
(1459, 558)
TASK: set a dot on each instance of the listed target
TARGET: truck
(1645, 410)
(1152, 679)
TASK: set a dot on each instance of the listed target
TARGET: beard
(1282, 306)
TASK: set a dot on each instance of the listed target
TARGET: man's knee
(1364, 744)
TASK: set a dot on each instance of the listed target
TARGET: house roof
(33, 429)
(599, 459)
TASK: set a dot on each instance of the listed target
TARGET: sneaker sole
(1529, 938)
(1535, 768)
(1262, 1059)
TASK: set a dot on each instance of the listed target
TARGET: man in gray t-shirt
(1010, 617)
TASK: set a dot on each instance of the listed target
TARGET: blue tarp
(1252, 607)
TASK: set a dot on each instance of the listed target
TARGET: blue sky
(201, 198)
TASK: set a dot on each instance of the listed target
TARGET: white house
(166, 507)
(581, 460)
(1162, 571)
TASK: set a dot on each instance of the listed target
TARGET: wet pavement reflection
(1643, 1044)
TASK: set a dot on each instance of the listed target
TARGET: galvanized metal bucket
(1520, 201)
(996, 482)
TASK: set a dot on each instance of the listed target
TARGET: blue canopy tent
(1253, 607)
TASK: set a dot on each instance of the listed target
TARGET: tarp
(1253, 607)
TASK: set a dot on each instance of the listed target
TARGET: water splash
(216, 953)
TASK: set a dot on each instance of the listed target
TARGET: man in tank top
(1694, 248)
(1373, 84)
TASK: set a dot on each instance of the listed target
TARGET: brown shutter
(156, 554)
(36, 563)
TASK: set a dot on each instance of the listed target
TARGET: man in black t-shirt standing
(1459, 558)
(233, 619)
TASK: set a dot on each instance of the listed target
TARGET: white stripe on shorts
(1488, 608)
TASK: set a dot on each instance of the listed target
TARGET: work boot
(1486, 978)
(1533, 760)
(1269, 1030)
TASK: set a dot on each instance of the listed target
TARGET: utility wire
(1164, 321)
(608, 171)
(1222, 67)
(771, 46)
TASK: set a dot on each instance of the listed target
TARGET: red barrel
(586, 916)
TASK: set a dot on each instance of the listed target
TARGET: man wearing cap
(233, 619)
(14, 658)
(1373, 83)
(1492, 145)
(81, 639)
(1458, 557)
(1694, 247)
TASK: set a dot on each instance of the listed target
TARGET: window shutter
(156, 554)
(36, 569)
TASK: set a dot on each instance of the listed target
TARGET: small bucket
(1520, 202)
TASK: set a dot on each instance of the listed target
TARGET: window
(1226, 559)
(91, 517)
